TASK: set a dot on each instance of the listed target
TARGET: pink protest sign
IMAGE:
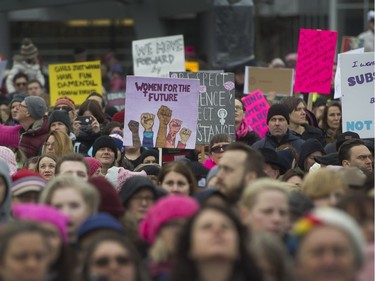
(256, 109)
(316, 51)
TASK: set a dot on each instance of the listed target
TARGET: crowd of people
(75, 204)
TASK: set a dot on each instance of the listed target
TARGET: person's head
(14, 104)
(324, 186)
(272, 166)
(92, 107)
(95, 166)
(152, 171)
(137, 195)
(355, 153)
(318, 107)
(66, 104)
(213, 234)
(293, 176)
(34, 88)
(97, 97)
(20, 82)
(46, 166)
(331, 118)
(239, 111)
(105, 150)
(5, 185)
(52, 220)
(59, 121)
(310, 149)
(370, 18)
(163, 222)
(113, 257)
(74, 197)
(149, 156)
(177, 178)
(296, 108)
(58, 143)
(26, 186)
(73, 164)
(330, 246)
(264, 207)
(24, 252)
(112, 127)
(239, 165)
(30, 109)
(278, 120)
(218, 144)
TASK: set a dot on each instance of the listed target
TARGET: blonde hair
(88, 192)
(322, 182)
(252, 191)
(63, 144)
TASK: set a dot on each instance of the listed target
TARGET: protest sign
(267, 80)
(74, 80)
(357, 86)
(161, 112)
(337, 93)
(156, 57)
(192, 66)
(256, 109)
(316, 51)
(3, 65)
(216, 104)
(351, 43)
(116, 99)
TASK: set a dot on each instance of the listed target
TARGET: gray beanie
(36, 106)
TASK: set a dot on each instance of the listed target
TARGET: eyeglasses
(105, 261)
(49, 144)
(66, 108)
(219, 148)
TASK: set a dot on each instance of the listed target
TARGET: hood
(5, 205)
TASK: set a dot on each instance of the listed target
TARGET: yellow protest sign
(192, 66)
(74, 80)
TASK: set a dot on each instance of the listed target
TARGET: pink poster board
(316, 51)
(256, 109)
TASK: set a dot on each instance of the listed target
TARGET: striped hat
(25, 180)
(28, 49)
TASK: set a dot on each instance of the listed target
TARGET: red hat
(119, 116)
(66, 101)
(25, 180)
(94, 164)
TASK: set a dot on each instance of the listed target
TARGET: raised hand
(164, 115)
(185, 134)
(147, 121)
(133, 126)
(174, 126)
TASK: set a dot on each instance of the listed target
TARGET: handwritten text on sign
(76, 80)
(216, 104)
(256, 107)
(156, 57)
(316, 51)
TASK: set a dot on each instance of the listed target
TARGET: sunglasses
(105, 261)
(219, 148)
(66, 108)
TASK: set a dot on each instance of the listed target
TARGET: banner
(161, 112)
(156, 57)
(74, 80)
(357, 86)
(216, 104)
(116, 99)
(316, 51)
(267, 80)
(256, 109)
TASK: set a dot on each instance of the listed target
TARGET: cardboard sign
(316, 51)
(3, 66)
(74, 80)
(275, 80)
(337, 93)
(216, 104)
(256, 109)
(357, 85)
(351, 43)
(156, 57)
(161, 112)
(116, 99)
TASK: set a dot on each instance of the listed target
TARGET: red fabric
(209, 163)
(243, 130)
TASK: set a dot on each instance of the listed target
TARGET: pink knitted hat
(10, 158)
(43, 213)
(94, 164)
(118, 175)
(166, 209)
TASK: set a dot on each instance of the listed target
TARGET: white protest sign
(156, 57)
(3, 65)
(338, 94)
(357, 86)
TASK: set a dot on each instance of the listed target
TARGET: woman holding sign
(244, 132)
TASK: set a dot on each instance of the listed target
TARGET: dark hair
(330, 136)
(296, 172)
(14, 228)
(181, 168)
(292, 103)
(345, 149)
(219, 138)
(95, 94)
(109, 127)
(46, 155)
(185, 269)
(20, 75)
(76, 157)
(94, 107)
(31, 160)
(35, 81)
(357, 204)
(140, 270)
(254, 161)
